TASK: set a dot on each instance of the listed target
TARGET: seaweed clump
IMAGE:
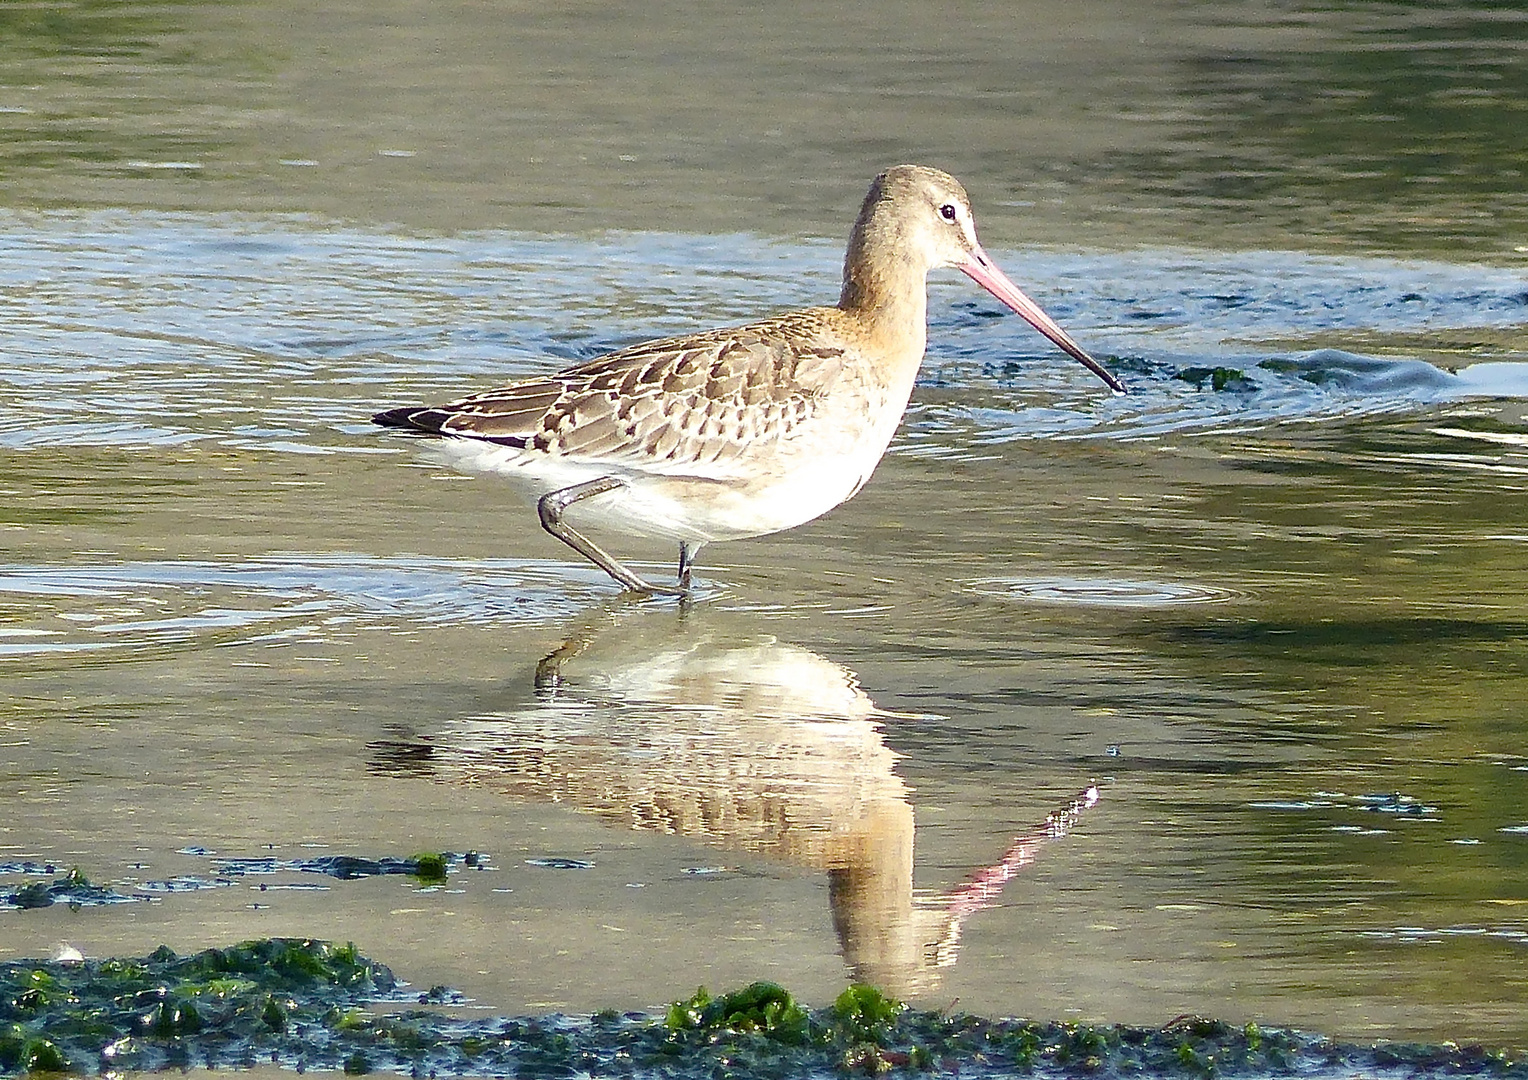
(303, 1004)
(759, 1031)
(73, 888)
(165, 1010)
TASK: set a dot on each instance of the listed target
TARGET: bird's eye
(947, 211)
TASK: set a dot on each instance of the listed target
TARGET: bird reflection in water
(741, 742)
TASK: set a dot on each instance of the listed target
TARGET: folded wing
(694, 405)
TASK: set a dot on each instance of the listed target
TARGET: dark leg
(551, 508)
(686, 561)
(549, 671)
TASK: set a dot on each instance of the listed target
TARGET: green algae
(160, 1009)
(305, 1004)
(430, 867)
(72, 888)
(1219, 378)
(762, 1008)
(866, 1014)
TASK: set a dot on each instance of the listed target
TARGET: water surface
(1207, 699)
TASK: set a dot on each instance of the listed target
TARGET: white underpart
(697, 504)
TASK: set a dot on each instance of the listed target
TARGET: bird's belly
(777, 496)
(701, 511)
(766, 495)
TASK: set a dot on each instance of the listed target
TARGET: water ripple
(1100, 592)
(281, 334)
(151, 605)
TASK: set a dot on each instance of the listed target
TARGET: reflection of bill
(747, 744)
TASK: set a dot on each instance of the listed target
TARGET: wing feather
(699, 403)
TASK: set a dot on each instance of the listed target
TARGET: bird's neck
(886, 293)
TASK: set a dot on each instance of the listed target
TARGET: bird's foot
(646, 590)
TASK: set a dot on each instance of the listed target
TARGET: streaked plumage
(742, 431)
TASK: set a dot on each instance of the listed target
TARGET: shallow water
(1271, 603)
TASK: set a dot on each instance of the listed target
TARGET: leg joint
(549, 508)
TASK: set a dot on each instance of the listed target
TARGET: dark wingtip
(412, 418)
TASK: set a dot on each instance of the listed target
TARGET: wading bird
(747, 430)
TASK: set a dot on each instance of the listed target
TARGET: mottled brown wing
(703, 400)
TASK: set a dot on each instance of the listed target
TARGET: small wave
(1229, 395)
(153, 605)
(1100, 592)
(342, 321)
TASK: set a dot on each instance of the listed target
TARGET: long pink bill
(982, 270)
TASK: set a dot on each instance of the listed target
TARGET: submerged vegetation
(164, 1010)
(304, 1004)
(74, 889)
(1219, 378)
